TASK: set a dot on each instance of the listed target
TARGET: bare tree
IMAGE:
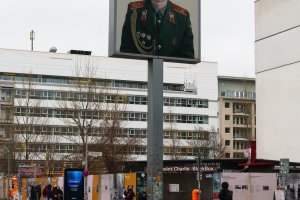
(113, 142)
(174, 143)
(80, 107)
(208, 143)
(28, 118)
(97, 112)
(54, 159)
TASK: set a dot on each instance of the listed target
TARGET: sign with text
(188, 168)
(173, 187)
(30, 171)
(155, 28)
(279, 195)
(73, 184)
(95, 154)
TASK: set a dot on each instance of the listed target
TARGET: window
(227, 143)
(227, 155)
(166, 101)
(227, 105)
(227, 130)
(167, 134)
(132, 116)
(227, 117)
(167, 118)
(143, 117)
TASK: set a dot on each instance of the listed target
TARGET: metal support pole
(86, 148)
(8, 148)
(199, 161)
(8, 169)
(155, 130)
(86, 162)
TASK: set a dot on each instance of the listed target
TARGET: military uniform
(173, 37)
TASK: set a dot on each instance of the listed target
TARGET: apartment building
(190, 102)
(236, 114)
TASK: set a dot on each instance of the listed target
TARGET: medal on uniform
(172, 18)
(144, 15)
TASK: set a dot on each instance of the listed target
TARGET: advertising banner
(107, 186)
(216, 178)
(279, 195)
(155, 28)
(141, 183)
(73, 184)
(1, 189)
(120, 185)
(251, 186)
(29, 171)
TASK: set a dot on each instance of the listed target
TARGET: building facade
(38, 103)
(236, 114)
(277, 25)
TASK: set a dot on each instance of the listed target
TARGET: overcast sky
(227, 29)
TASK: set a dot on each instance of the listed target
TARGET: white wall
(277, 79)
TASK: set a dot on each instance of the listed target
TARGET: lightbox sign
(73, 184)
(155, 29)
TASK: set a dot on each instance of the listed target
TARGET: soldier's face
(159, 4)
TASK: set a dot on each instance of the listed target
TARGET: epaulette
(180, 10)
(137, 4)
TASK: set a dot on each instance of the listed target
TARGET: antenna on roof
(32, 37)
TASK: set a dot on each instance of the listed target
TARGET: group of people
(49, 193)
(34, 192)
(224, 194)
(54, 193)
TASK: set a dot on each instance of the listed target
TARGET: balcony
(241, 138)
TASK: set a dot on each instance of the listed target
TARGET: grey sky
(227, 29)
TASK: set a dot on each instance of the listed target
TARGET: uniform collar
(162, 11)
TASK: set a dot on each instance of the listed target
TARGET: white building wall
(203, 76)
(277, 78)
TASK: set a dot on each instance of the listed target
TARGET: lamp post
(32, 37)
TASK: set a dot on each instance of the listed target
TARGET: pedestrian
(46, 192)
(126, 192)
(11, 193)
(60, 193)
(32, 193)
(56, 193)
(130, 193)
(38, 191)
(225, 193)
(157, 27)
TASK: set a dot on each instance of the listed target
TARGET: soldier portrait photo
(157, 27)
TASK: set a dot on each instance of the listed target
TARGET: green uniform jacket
(174, 38)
